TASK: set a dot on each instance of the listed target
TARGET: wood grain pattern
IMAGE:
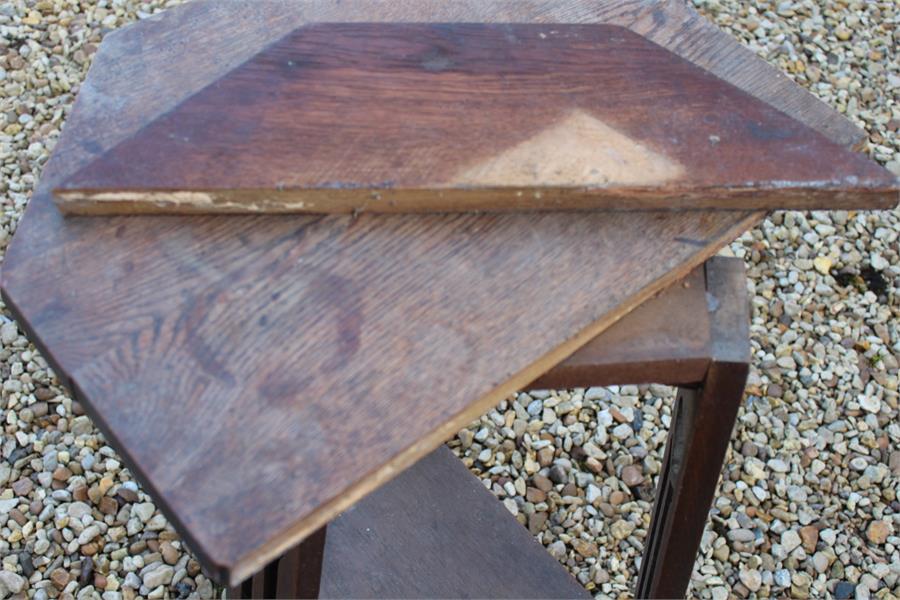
(283, 367)
(377, 117)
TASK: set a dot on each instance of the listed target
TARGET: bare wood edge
(317, 200)
(329, 510)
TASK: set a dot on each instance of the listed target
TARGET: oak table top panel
(455, 117)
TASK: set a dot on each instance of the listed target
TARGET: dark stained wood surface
(436, 532)
(704, 417)
(452, 117)
(279, 368)
(664, 340)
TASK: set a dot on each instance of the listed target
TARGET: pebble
(632, 476)
(741, 535)
(751, 578)
(557, 474)
(878, 531)
(844, 590)
(782, 578)
(810, 537)
(10, 583)
(161, 575)
(870, 404)
(820, 562)
(621, 529)
(790, 539)
(557, 550)
(60, 578)
(779, 466)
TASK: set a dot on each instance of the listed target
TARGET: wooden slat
(338, 118)
(436, 532)
(278, 369)
(664, 340)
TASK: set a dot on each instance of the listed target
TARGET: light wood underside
(393, 118)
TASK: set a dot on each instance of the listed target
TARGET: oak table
(311, 359)
(436, 532)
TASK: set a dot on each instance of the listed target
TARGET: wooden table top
(261, 374)
(455, 117)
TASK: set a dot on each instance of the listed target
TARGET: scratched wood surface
(279, 368)
(452, 117)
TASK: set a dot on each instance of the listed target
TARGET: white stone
(870, 404)
(10, 583)
(593, 493)
(751, 578)
(790, 539)
(161, 575)
(778, 465)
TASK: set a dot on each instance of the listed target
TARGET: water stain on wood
(579, 148)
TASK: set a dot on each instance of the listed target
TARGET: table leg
(296, 574)
(703, 421)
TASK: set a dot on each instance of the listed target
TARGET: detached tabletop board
(454, 117)
(259, 374)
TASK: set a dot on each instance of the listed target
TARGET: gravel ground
(808, 502)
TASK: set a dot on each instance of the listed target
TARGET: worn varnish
(284, 366)
(450, 117)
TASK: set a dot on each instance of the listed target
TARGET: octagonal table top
(260, 374)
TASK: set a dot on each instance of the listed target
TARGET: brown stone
(36, 507)
(545, 456)
(99, 581)
(542, 483)
(80, 493)
(617, 415)
(59, 578)
(632, 476)
(62, 473)
(616, 498)
(570, 489)
(878, 531)
(40, 409)
(193, 568)
(594, 465)
(169, 553)
(90, 549)
(94, 494)
(44, 393)
(536, 522)
(129, 496)
(108, 505)
(607, 509)
(23, 486)
(535, 495)
(810, 537)
(585, 548)
(18, 516)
